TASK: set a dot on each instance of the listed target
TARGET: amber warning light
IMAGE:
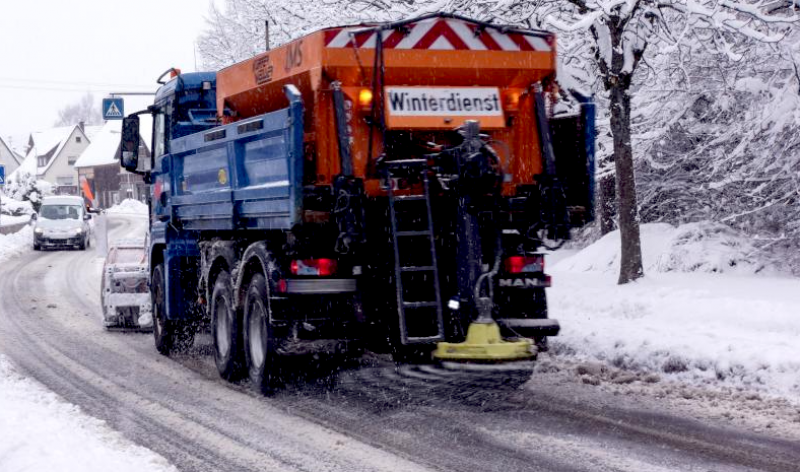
(365, 98)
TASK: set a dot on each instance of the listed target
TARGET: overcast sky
(53, 51)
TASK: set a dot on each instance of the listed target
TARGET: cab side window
(159, 130)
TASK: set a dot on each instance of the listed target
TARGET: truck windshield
(60, 212)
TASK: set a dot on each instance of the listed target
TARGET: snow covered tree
(24, 186)
(236, 30)
(621, 32)
(85, 110)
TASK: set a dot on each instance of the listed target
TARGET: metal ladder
(396, 205)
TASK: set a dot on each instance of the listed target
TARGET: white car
(125, 293)
(62, 222)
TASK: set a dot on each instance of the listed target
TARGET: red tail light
(317, 267)
(281, 286)
(525, 264)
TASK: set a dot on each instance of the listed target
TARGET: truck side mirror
(129, 152)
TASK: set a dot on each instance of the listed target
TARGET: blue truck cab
(183, 106)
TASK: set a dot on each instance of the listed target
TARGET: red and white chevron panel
(440, 34)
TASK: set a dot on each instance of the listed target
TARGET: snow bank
(688, 318)
(693, 247)
(6, 220)
(14, 211)
(129, 205)
(16, 243)
(39, 431)
(10, 206)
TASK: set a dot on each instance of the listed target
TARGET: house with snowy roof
(51, 155)
(8, 158)
(101, 178)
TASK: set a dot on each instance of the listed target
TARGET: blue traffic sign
(113, 109)
(2, 175)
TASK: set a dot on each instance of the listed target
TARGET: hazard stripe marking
(438, 33)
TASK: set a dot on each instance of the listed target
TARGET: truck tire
(540, 311)
(163, 329)
(226, 329)
(259, 338)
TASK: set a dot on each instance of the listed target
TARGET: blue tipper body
(242, 176)
(245, 175)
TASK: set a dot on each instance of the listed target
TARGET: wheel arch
(256, 259)
(216, 256)
(156, 256)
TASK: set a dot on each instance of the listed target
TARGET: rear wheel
(163, 329)
(540, 312)
(259, 337)
(529, 305)
(225, 329)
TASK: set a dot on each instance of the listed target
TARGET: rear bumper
(529, 328)
(320, 286)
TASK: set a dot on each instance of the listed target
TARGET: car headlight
(79, 231)
(38, 231)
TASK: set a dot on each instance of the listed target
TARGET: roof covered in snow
(18, 143)
(103, 148)
(16, 158)
(43, 142)
(28, 165)
(91, 131)
(47, 140)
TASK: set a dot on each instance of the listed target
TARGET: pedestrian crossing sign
(113, 109)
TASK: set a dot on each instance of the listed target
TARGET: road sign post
(113, 108)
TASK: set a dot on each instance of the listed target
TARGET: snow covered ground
(708, 310)
(16, 243)
(129, 206)
(13, 212)
(9, 220)
(39, 431)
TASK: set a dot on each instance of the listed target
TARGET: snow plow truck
(386, 186)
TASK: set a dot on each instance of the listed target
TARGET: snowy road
(376, 419)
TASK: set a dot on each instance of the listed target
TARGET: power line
(71, 83)
(65, 89)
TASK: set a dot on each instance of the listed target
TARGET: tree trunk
(607, 198)
(630, 267)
